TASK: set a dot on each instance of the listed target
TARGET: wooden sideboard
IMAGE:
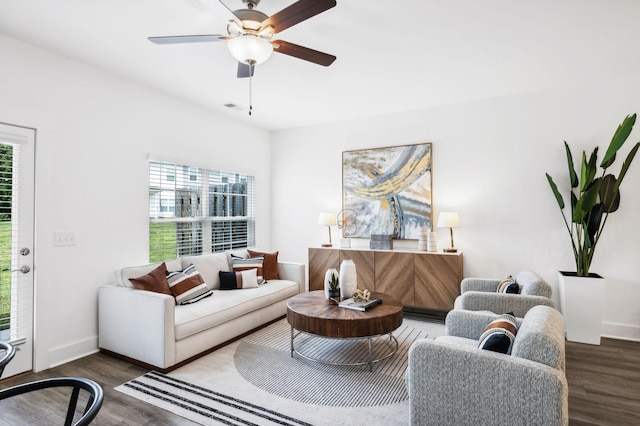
(422, 280)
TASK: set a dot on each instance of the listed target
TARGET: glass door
(17, 166)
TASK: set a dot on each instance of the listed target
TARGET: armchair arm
(138, 324)
(451, 384)
(293, 272)
(501, 303)
(479, 284)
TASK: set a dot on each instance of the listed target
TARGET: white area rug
(256, 381)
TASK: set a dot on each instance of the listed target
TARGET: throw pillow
(269, 266)
(155, 281)
(508, 285)
(187, 286)
(499, 334)
(238, 280)
(242, 264)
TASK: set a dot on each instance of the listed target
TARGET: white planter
(581, 301)
(327, 277)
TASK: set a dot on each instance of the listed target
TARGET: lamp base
(326, 245)
(450, 250)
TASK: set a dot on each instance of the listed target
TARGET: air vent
(233, 106)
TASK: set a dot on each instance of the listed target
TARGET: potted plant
(332, 286)
(593, 197)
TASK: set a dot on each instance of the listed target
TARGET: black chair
(9, 353)
(94, 403)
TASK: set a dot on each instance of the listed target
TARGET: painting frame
(389, 189)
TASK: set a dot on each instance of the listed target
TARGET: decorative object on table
(347, 221)
(593, 198)
(381, 183)
(432, 242)
(359, 304)
(328, 220)
(348, 278)
(422, 240)
(449, 220)
(381, 242)
(332, 286)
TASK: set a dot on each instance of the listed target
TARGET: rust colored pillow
(155, 281)
(269, 265)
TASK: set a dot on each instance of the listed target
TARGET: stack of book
(359, 305)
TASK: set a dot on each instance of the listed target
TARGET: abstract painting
(389, 189)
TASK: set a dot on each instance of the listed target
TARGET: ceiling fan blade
(296, 13)
(188, 39)
(302, 52)
(245, 70)
(222, 10)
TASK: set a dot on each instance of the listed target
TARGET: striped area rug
(196, 401)
(256, 381)
(264, 360)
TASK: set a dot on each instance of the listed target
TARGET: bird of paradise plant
(593, 197)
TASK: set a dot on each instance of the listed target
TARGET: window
(194, 210)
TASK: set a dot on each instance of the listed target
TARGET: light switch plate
(66, 238)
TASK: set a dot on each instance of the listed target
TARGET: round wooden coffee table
(311, 313)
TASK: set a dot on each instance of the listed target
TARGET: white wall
(94, 133)
(489, 163)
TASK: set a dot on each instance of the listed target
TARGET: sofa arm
(501, 303)
(293, 272)
(456, 385)
(479, 284)
(138, 324)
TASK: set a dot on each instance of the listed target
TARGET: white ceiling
(393, 56)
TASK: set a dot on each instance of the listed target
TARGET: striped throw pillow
(499, 334)
(187, 286)
(508, 285)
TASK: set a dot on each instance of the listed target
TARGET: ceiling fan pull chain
(250, 95)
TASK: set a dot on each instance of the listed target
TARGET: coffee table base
(391, 344)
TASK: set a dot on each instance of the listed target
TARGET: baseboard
(64, 354)
(621, 331)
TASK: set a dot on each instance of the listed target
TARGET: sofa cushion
(155, 280)
(224, 306)
(208, 265)
(499, 334)
(270, 264)
(124, 275)
(187, 286)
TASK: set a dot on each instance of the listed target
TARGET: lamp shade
(327, 219)
(250, 49)
(448, 220)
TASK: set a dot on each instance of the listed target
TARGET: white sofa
(151, 329)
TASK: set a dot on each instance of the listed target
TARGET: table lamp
(449, 220)
(328, 220)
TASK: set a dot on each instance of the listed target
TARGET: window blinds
(194, 210)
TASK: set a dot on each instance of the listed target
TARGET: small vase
(327, 278)
(348, 278)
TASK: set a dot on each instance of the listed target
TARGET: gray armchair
(479, 294)
(453, 382)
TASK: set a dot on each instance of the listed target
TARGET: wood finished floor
(604, 389)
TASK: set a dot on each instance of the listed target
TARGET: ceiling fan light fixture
(250, 49)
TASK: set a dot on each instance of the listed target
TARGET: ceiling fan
(249, 33)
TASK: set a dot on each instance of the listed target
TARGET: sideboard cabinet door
(394, 275)
(438, 278)
(321, 259)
